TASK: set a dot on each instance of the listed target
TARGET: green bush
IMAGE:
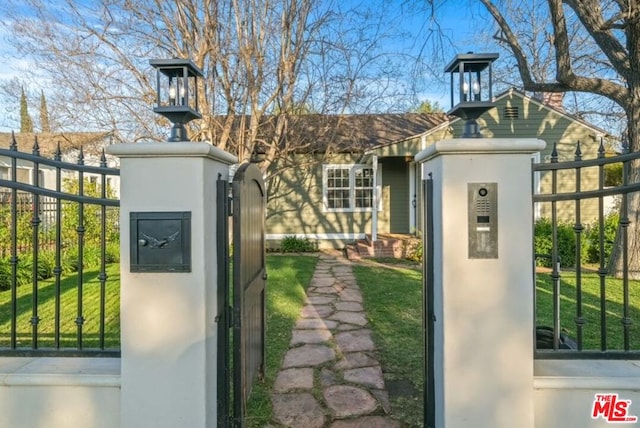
(613, 174)
(46, 263)
(543, 243)
(5, 274)
(414, 250)
(293, 244)
(591, 242)
(113, 252)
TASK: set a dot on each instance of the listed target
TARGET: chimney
(553, 99)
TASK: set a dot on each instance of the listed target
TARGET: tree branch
(511, 40)
(566, 79)
(589, 13)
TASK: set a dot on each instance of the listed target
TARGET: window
(363, 187)
(338, 188)
(348, 187)
(4, 173)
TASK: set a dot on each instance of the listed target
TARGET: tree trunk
(630, 211)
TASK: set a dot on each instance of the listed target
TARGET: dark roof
(313, 133)
(363, 132)
(48, 142)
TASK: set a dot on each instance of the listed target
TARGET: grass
(590, 309)
(289, 277)
(393, 295)
(68, 310)
(392, 298)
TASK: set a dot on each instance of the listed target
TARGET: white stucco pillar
(483, 295)
(168, 328)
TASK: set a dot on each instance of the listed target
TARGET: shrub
(414, 250)
(613, 174)
(46, 264)
(113, 252)
(293, 244)
(591, 242)
(5, 274)
(543, 243)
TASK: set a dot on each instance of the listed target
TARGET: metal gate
(428, 316)
(58, 226)
(242, 307)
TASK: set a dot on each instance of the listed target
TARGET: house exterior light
(471, 88)
(177, 93)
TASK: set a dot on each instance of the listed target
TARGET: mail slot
(160, 241)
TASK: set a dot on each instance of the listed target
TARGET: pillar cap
(481, 146)
(176, 149)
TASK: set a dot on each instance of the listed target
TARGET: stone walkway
(330, 376)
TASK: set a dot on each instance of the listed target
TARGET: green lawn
(590, 308)
(392, 299)
(393, 302)
(289, 277)
(68, 310)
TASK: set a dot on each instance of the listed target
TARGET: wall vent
(510, 113)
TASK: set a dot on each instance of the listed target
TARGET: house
(92, 144)
(369, 184)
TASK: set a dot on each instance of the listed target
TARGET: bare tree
(613, 27)
(261, 60)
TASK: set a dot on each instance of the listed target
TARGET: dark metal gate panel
(40, 202)
(223, 317)
(428, 306)
(249, 280)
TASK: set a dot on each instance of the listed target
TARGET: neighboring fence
(587, 313)
(57, 238)
(24, 202)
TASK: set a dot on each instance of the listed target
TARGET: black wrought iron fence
(588, 296)
(59, 241)
(24, 202)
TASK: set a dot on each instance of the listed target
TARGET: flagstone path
(330, 376)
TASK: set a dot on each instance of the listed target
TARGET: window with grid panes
(348, 187)
(363, 187)
(338, 188)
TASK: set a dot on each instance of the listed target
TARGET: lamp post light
(471, 92)
(177, 93)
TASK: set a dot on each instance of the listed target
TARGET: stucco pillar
(483, 291)
(168, 327)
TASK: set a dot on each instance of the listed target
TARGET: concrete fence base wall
(85, 392)
(60, 392)
(564, 391)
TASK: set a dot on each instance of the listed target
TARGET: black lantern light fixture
(177, 93)
(471, 91)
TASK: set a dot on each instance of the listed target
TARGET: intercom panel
(483, 220)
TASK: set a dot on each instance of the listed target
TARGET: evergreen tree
(427, 106)
(44, 114)
(26, 124)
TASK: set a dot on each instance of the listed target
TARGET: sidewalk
(330, 377)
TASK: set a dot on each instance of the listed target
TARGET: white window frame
(352, 188)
